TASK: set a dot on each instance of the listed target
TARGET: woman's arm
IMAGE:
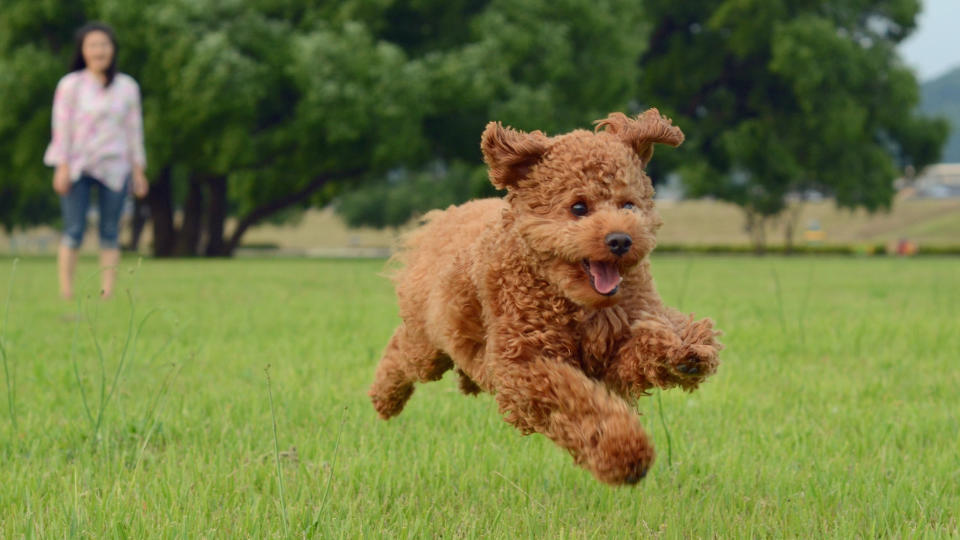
(58, 152)
(133, 124)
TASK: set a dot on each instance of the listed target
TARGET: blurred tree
(253, 108)
(36, 39)
(250, 108)
(257, 107)
(407, 193)
(531, 64)
(779, 97)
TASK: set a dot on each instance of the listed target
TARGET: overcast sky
(934, 47)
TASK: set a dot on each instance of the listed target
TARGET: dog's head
(581, 201)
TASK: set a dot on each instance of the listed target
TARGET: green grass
(835, 411)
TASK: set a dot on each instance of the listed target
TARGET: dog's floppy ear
(511, 154)
(642, 132)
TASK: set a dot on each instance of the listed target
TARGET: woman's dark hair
(78, 61)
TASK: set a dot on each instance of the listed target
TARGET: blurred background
(302, 127)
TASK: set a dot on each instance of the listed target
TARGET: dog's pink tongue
(606, 277)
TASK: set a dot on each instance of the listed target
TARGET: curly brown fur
(553, 312)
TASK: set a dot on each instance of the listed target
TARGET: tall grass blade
(666, 431)
(91, 324)
(73, 360)
(128, 347)
(152, 415)
(801, 317)
(10, 378)
(276, 454)
(333, 464)
(776, 287)
(684, 283)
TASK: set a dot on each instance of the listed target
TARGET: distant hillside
(941, 96)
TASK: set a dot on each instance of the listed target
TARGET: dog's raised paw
(690, 367)
(697, 361)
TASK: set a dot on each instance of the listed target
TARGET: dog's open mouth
(604, 276)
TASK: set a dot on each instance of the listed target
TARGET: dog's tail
(441, 236)
(406, 246)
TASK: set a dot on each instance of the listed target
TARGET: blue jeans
(75, 204)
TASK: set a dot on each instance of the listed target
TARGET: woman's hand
(140, 184)
(61, 179)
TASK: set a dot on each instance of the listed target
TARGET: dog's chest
(601, 332)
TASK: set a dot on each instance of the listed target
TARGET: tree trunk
(216, 216)
(788, 236)
(286, 201)
(141, 214)
(160, 201)
(756, 228)
(790, 226)
(199, 218)
(188, 241)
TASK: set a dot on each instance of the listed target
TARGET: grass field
(835, 411)
(928, 222)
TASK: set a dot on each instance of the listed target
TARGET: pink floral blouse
(97, 130)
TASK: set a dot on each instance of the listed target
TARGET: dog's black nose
(619, 243)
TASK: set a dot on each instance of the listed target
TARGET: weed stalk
(10, 378)
(683, 284)
(666, 431)
(152, 416)
(276, 454)
(333, 464)
(803, 305)
(776, 287)
(106, 391)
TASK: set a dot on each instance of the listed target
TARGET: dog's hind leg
(467, 385)
(409, 358)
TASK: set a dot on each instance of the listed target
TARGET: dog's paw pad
(689, 368)
(698, 361)
(636, 475)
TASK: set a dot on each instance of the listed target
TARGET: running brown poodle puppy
(545, 298)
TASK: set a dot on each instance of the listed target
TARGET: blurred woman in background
(97, 142)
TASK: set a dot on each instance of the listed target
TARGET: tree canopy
(255, 107)
(34, 40)
(786, 96)
(531, 64)
(249, 107)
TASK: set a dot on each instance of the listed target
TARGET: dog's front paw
(622, 453)
(663, 355)
(697, 361)
(697, 358)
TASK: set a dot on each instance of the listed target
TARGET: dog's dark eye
(628, 206)
(579, 209)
